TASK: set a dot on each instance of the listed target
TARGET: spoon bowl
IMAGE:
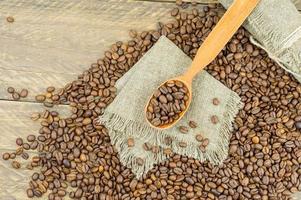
(213, 44)
(187, 83)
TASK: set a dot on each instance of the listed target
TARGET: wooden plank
(15, 122)
(51, 42)
(296, 2)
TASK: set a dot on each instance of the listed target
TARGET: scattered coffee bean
(167, 151)
(35, 116)
(199, 137)
(147, 146)
(50, 89)
(215, 101)
(205, 142)
(193, 124)
(19, 151)
(5, 156)
(31, 138)
(12, 156)
(167, 103)
(25, 156)
(24, 93)
(140, 161)
(40, 98)
(10, 90)
(182, 144)
(19, 141)
(10, 19)
(15, 164)
(214, 119)
(16, 96)
(183, 129)
(29, 193)
(131, 142)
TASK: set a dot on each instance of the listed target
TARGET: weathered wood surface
(50, 43)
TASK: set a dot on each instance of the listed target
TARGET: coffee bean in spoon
(167, 103)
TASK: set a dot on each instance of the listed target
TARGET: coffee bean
(167, 151)
(199, 137)
(12, 156)
(31, 138)
(131, 142)
(35, 116)
(16, 96)
(10, 19)
(29, 193)
(19, 141)
(182, 144)
(214, 119)
(139, 161)
(215, 101)
(15, 164)
(174, 12)
(147, 146)
(24, 93)
(25, 156)
(10, 90)
(255, 140)
(50, 89)
(26, 146)
(5, 156)
(19, 151)
(205, 142)
(193, 124)
(183, 129)
(179, 2)
(40, 98)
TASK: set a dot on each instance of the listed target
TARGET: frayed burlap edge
(117, 125)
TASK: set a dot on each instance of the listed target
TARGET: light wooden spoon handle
(220, 35)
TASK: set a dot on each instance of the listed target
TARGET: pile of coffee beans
(76, 158)
(167, 103)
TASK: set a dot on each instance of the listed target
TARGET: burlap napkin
(276, 27)
(125, 119)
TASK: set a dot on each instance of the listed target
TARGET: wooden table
(50, 43)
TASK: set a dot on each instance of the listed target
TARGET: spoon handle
(220, 35)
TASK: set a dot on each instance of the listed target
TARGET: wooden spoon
(214, 43)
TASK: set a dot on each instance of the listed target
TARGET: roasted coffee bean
(50, 89)
(215, 101)
(10, 90)
(147, 146)
(25, 156)
(193, 124)
(12, 156)
(16, 96)
(183, 129)
(29, 193)
(214, 119)
(167, 103)
(19, 141)
(5, 156)
(199, 137)
(40, 98)
(255, 140)
(131, 142)
(35, 116)
(26, 146)
(10, 19)
(15, 164)
(183, 144)
(139, 161)
(24, 93)
(31, 138)
(19, 151)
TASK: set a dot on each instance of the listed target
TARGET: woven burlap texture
(276, 27)
(124, 117)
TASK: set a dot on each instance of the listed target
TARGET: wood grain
(51, 42)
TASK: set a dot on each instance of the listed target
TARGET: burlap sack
(125, 116)
(276, 27)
